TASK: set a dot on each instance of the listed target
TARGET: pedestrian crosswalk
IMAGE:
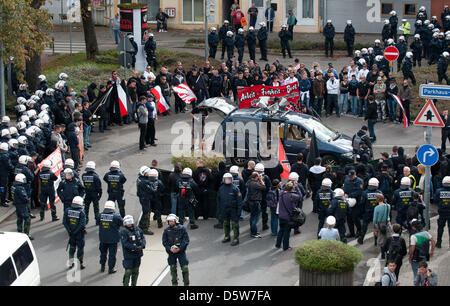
(64, 47)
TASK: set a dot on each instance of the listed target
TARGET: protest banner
(249, 96)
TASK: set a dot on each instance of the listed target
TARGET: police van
(294, 129)
(18, 261)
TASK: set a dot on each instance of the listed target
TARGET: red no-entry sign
(391, 53)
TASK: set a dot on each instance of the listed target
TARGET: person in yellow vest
(406, 29)
(407, 173)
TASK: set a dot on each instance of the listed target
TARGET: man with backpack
(361, 138)
(419, 249)
(415, 211)
(389, 279)
(396, 248)
(202, 177)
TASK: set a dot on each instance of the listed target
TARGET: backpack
(356, 142)
(422, 251)
(272, 198)
(395, 249)
(295, 22)
(185, 190)
(412, 212)
(379, 284)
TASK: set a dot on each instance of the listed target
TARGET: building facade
(367, 15)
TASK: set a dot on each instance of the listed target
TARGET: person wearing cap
(253, 13)
(150, 51)
(239, 43)
(442, 67)
(329, 232)
(416, 48)
(224, 29)
(115, 180)
(47, 181)
(270, 16)
(109, 223)
(349, 37)
(262, 39)
(93, 189)
(329, 33)
(133, 242)
(74, 222)
(285, 36)
(213, 42)
(161, 21)
(175, 240)
(251, 43)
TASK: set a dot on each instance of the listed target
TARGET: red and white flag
(399, 102)
(185, 93)
(162, 104)
(122, 101)
(284, 162)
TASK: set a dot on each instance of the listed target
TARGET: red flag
(122, 101)
(399, 102)
(185, 93)
(283, 161)
(162, 104)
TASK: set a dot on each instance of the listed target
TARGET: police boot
(102, 269)
(160, 225)
(127, 277)
(112, 271)
(173, 272)
(226, 230)
(134, 276)
(235, 228)
(185, 272)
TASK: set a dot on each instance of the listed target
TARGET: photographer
(255, 187)
(133, 242)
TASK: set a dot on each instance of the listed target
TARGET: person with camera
(175, 240)
(255, 188)
(133, 242)
(288, 201)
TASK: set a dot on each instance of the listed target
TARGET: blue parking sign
(427, 155)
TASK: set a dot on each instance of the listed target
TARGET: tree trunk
(33, 65)
(89, 31)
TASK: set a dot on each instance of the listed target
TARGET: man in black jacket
(328, 32)
(371, 117)
(349, 37)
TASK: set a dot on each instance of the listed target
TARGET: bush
(210, 160)
(327, 256)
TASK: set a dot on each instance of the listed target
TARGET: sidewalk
(6, 212)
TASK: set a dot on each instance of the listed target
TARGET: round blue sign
(427, 155)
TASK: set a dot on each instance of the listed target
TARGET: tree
(23, 35)
(90, 37)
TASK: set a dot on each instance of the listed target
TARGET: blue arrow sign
(427, 155)
(434, 91)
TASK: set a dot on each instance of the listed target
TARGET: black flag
(313, 151)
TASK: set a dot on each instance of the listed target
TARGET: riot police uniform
(262, 39)
(115, 180)
(239, 42)
(93, 186)
(442, 199)
(340, 210)
(175, 237)
(47, 180)
(133, 242)
(68, 189)
(251, 44)
(6, 167)
(186, 191)
(402, 198)
(369, 202)
(213, 41)
(324, 199)
(354, 189)
(229, 198)
(285, 36)
(74, 221)
(21, 199)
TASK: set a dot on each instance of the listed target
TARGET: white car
(18, 261)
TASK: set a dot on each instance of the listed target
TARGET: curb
(8, 214)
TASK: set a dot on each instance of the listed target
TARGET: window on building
(302, 9)
(409, 9)
(386, 8)
(308, 9)
(193, 11)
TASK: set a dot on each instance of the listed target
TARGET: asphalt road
(253, 262)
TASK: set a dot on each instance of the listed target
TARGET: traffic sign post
(391, 54)
(427, 155)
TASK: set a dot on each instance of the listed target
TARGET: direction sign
(429, 116)
(427, 155)
(391, 53)
(441, 92)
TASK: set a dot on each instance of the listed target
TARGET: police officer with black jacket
(251, 43)
(22, 167)
(74, 221)
(329, 33)
(262, 39)
(47, 180)
(402, 47)
(213, 42)
(349, 37)
(175, 240)
(442, 199)
(134, 52)
(21, 198)
(133, 242)
(259, 168)
(223, 34)
(416, 47)
(229, 198)
(150, 51)
(402, 198)
(229, 44)
(324, 199)
(109, 234)
(93, 186)
(340, 210)
(407, 68)
(6, 167)
(115, 180)
(353, 188)
(369, 202)
(239, 42)
(285, 36)
(186, 191)
(442, 67)
(69, 188)
(144, 194)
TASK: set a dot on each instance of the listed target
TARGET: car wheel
(239, 161)
(329, 160)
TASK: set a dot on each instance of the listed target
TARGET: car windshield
(323, 132)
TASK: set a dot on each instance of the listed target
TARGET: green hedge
(132, 5)
(327, 256)
(210, 160)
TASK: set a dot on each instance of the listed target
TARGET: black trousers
(263, 48)
(270, 26)
(444, 137)
(223, 48)
(251, 50)
(409, 75)
(349, 47)
(212, 51)
(443, 76)
(75, 153)
(150, 135)
(329, 44)
(142, 135)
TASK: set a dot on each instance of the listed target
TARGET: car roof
(289, 116)
(10, 242)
